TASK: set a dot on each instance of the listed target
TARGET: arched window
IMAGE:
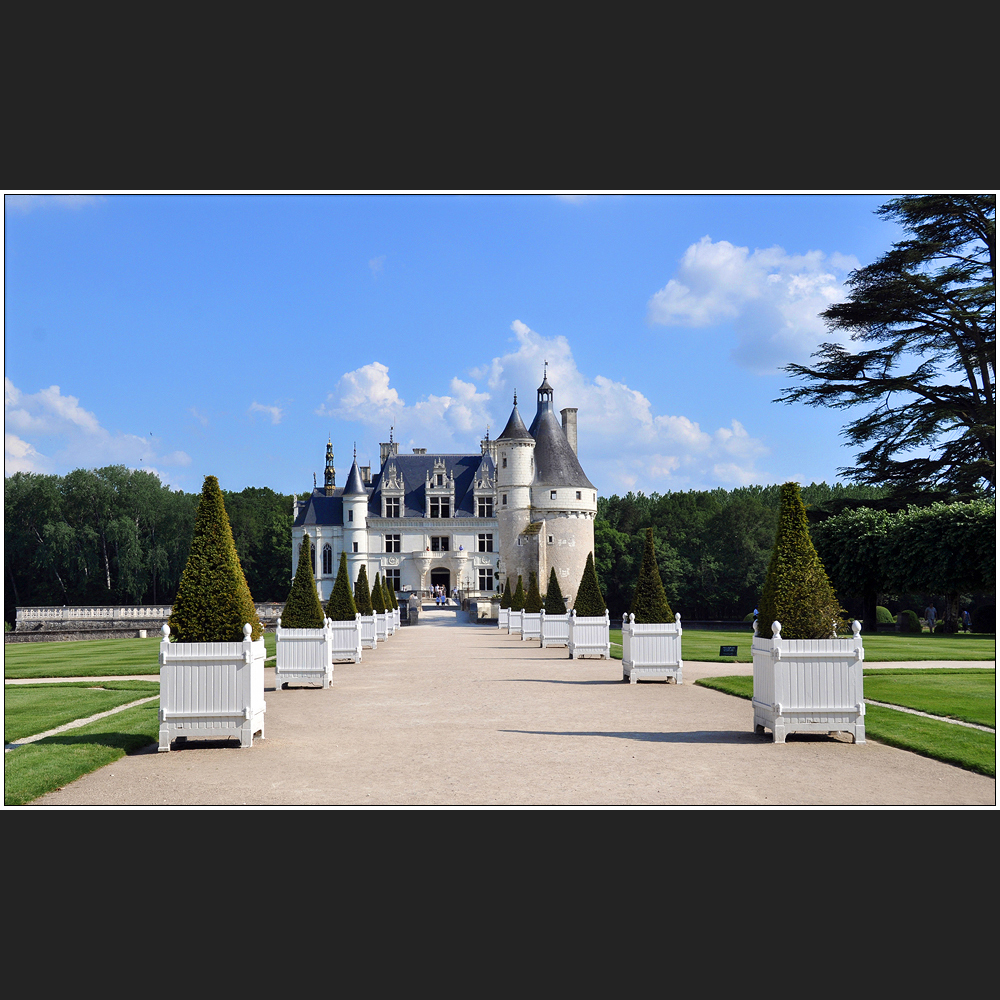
(327, 560)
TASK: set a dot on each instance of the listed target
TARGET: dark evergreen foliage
(649, 603)
(533, 599)
(909, 622)
(797, 591)
(984, 619)
(883, 616)
(213, 600)
(589, 601)
(378, 596)
(341, 607)
(303, 608)
(555, 603)
(363, 594)
(517, 601)
(505, 597)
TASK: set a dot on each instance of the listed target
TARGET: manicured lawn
(90, 657)
(962, 690)
(885, 647)
(30, 709)
(52, 763)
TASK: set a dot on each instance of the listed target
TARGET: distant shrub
(589, 602)
(749, 617)
(909, 622)
(302, 608)
(884, 616)
(984, 619)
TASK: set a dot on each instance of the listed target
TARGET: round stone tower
(515, 449)
(355, 522)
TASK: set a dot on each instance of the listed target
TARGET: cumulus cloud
(274, 412)
(50, 432)
(772, 298)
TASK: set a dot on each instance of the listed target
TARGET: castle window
(485, 579)
(350, 515)
(485, 543)
(551, 540)
(392, 506)
(392, 576)
(440, 479)
(579, 495)
(327, 560)
(440, 507)
(392, 543)
(486, 506)
(505, 500)
(505, 463)
(552, 494)
(439, 544)
(355, 546)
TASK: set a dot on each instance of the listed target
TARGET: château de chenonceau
(523, 505)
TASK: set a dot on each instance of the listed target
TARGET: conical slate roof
(355, 486)
(556, 463)
(515, 429)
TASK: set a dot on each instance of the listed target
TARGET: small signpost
(728, 650)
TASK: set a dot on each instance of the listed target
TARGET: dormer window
(552, 494)
(440, 479)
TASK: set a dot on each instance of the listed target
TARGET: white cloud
(274, 412)
(74, 438)
(772, 298)
(22, 204)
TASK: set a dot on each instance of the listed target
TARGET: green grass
(37, 768)
(884, 647)
(969, 695)
(30, 709)
(971, 749)
(90, 657)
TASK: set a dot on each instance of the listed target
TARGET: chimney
(569, 425)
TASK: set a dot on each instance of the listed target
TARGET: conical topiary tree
(341, 607)
(378, 596)
(303, 609)
(533, 599)
(517, 601)
(589, 601)
(213, 600)
(505, 597)
(362, 593)
(649, 602)
(390, 592)
(555, 604)
(387, 593)
(797, 591)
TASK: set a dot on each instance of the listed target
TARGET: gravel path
(446, 713)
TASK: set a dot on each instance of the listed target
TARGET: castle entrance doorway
(441, 578)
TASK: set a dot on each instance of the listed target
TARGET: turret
(330, 473)
(355, 520)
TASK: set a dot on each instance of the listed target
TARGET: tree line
(120, 536)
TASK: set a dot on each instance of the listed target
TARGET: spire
(515, 429)
(355, 485)
(330, 473)
(545, 401)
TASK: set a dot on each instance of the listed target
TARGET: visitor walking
(930, 613)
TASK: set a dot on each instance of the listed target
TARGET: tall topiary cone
(378, 596)
(649, 602)
(213, 600)
(554, 602)
(533, 599)
(797, 591)
(505, 597)
(589, 601)
(517, 601)
(303, 609)
(363, 594)
(341, 607)
(390, 595)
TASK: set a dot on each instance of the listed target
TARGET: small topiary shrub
(797, 591)
(909, 622)
(555, 603)
(362, 593)
(749, 617)
(884, 616)
(341, 607)
(533, 599)
(517, 601)
(505, 597)
(213, 600)
(984, 619)
(649, 602)
(303, 609)
(378, 596)
(589, 601)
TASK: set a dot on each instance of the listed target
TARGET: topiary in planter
(649, 602)
(363, 594)
(589, 601)
(378, 596)
(303, 609)
(555, 603)
(387, 592)
(213, 600)
(341, 607)
(517, 601)
(909, 622)
(797, 591)
(533, 599)
(505, 597)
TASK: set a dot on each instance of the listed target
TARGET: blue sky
(230, 335)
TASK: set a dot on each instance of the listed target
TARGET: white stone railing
(123, 612)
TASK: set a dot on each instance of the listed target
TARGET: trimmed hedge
(213, 600)
(505, 597)
(378, 596)
(533, 599)
(909, 622)
(649, 602)
(517, 601)
(303, 608)
(362, 593)
(555, 603)
(341, 607)
(589, 601)
(884, 616)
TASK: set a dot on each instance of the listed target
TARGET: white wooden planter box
(514, 623)
(531, 625)
(652, 652)
(503, 619)
(211, 690)
(369, 639)
(346, 639)
(809, 685)
(381, 626)
(589, 636)
(555, 630)
(304, 656)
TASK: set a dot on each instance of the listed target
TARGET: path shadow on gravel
(698, 736)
